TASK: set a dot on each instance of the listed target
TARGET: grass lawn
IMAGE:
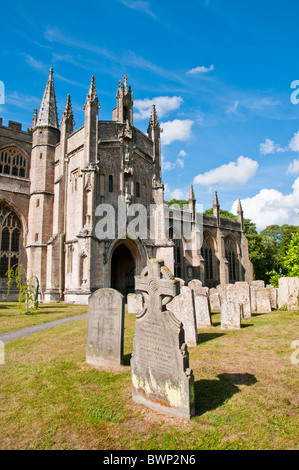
(11, 318)
(245, 384)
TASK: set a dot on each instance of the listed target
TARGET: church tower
(45, 136)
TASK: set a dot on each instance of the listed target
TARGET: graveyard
(239, 381)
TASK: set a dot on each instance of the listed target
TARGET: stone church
(55, 183)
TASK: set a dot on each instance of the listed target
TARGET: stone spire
(34, 119)
(68, 116)
(192, 202)
(216, 208)
(191, 194)
(123, 112)
(47, 115)
(92, 94)
(240, 214)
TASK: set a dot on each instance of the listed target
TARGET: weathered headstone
(253, 290)
(202, 311)
(33, 294)
(135, 303)
(215, 302)
(182, 306)
(161, 378)
(288, 293)
(258, 284)
(240, 293)
(197, 288)
(231, 313)
(105, 329)
(221, 289)
(273, 296)
(263, 301)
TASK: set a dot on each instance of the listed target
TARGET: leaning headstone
(202, 311)
(197, 288)
(240, 293)
(161, 378)
(231, 313)
(135, 303)
(263, 301)
(105, 329)
(182, 306)
(215, 302)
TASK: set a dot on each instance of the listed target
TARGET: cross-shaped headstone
(157, 281)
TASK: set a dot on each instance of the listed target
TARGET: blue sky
(219, 72)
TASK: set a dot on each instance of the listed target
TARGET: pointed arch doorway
(123, 269)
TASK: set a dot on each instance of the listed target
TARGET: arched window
(207, 252)
(110, 185)
(12, 163)
(137, 189)
(231, 256)
(10, 230)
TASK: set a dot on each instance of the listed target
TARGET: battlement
(15, 127)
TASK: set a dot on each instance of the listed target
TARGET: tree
(179, 202)
(292, 256)
(27, 287)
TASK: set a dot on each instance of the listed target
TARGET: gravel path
(9, 336)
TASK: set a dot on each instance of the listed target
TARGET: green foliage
(179, 202)
(26, 287)
(292, 256)
(224, 214)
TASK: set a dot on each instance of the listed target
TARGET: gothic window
(137, 189)
(207, 252)
(177, 253)
(10, 229)
(231, 256)
(12, 162)
(110, 184)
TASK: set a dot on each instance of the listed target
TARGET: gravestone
(182, 306)
(288, 293)
(253, 291)
(231, 313)
(105, 329)
(221, 289)
(258, 284)
(134, 303)
(33, 296)
(202, 311)
(273, 296)
(240, 293)
(215, 302)
(161, 378)
(263, 301)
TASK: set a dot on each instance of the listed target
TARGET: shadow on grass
(210, 394)
(127, 360)
(204, 337)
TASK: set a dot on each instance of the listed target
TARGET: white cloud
(270, 207)
(294, 167)
(175, 194)
(294, 142)
(232, 173)
(200, 69)
(269, 146)
(167, 166)
(176, 130)
(164, 104)
(139, 5)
